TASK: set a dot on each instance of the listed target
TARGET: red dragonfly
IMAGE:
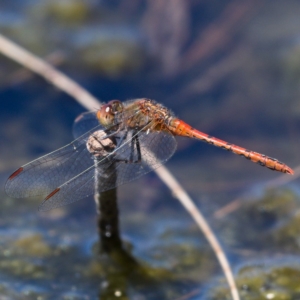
(118, 143)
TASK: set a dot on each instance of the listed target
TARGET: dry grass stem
(22, 75)
(41, 67)
(189, 205)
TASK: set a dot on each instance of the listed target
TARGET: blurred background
(228, 68)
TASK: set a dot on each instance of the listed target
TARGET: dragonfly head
(108, 112)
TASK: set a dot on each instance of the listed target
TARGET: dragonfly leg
(135, 144)
(132, 143)
(122, 138)
(99, 147)
(102, 145)
(138, 149)
(107, 136)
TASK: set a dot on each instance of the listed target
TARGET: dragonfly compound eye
(105, 115)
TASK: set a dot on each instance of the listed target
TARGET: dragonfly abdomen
(180, 128)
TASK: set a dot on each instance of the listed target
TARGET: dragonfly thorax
(157, 113)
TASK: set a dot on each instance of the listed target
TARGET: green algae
(66, 11)
(254, 283)
(112, 54)
(20, 258)
(280, 202)
(270, 223)
(275, 204)
(33, 245)
(263, 220)
(286, 277)
(27, 293)
(20, 267)
(287, 235)
(29, 36)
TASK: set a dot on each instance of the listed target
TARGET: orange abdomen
(180, 128)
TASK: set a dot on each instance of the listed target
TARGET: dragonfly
(116, 144)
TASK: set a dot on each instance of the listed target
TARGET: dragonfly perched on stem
(135, 137)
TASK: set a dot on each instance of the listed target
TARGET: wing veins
(105, 158)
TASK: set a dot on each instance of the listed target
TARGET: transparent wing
(43, 175)
(130, 160)
(156, 148)
(84, 122)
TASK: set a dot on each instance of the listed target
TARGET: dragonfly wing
(43, 175)
(78, 188)
(119, 167)
(155, 149)
(82, 185)
(84, 122)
